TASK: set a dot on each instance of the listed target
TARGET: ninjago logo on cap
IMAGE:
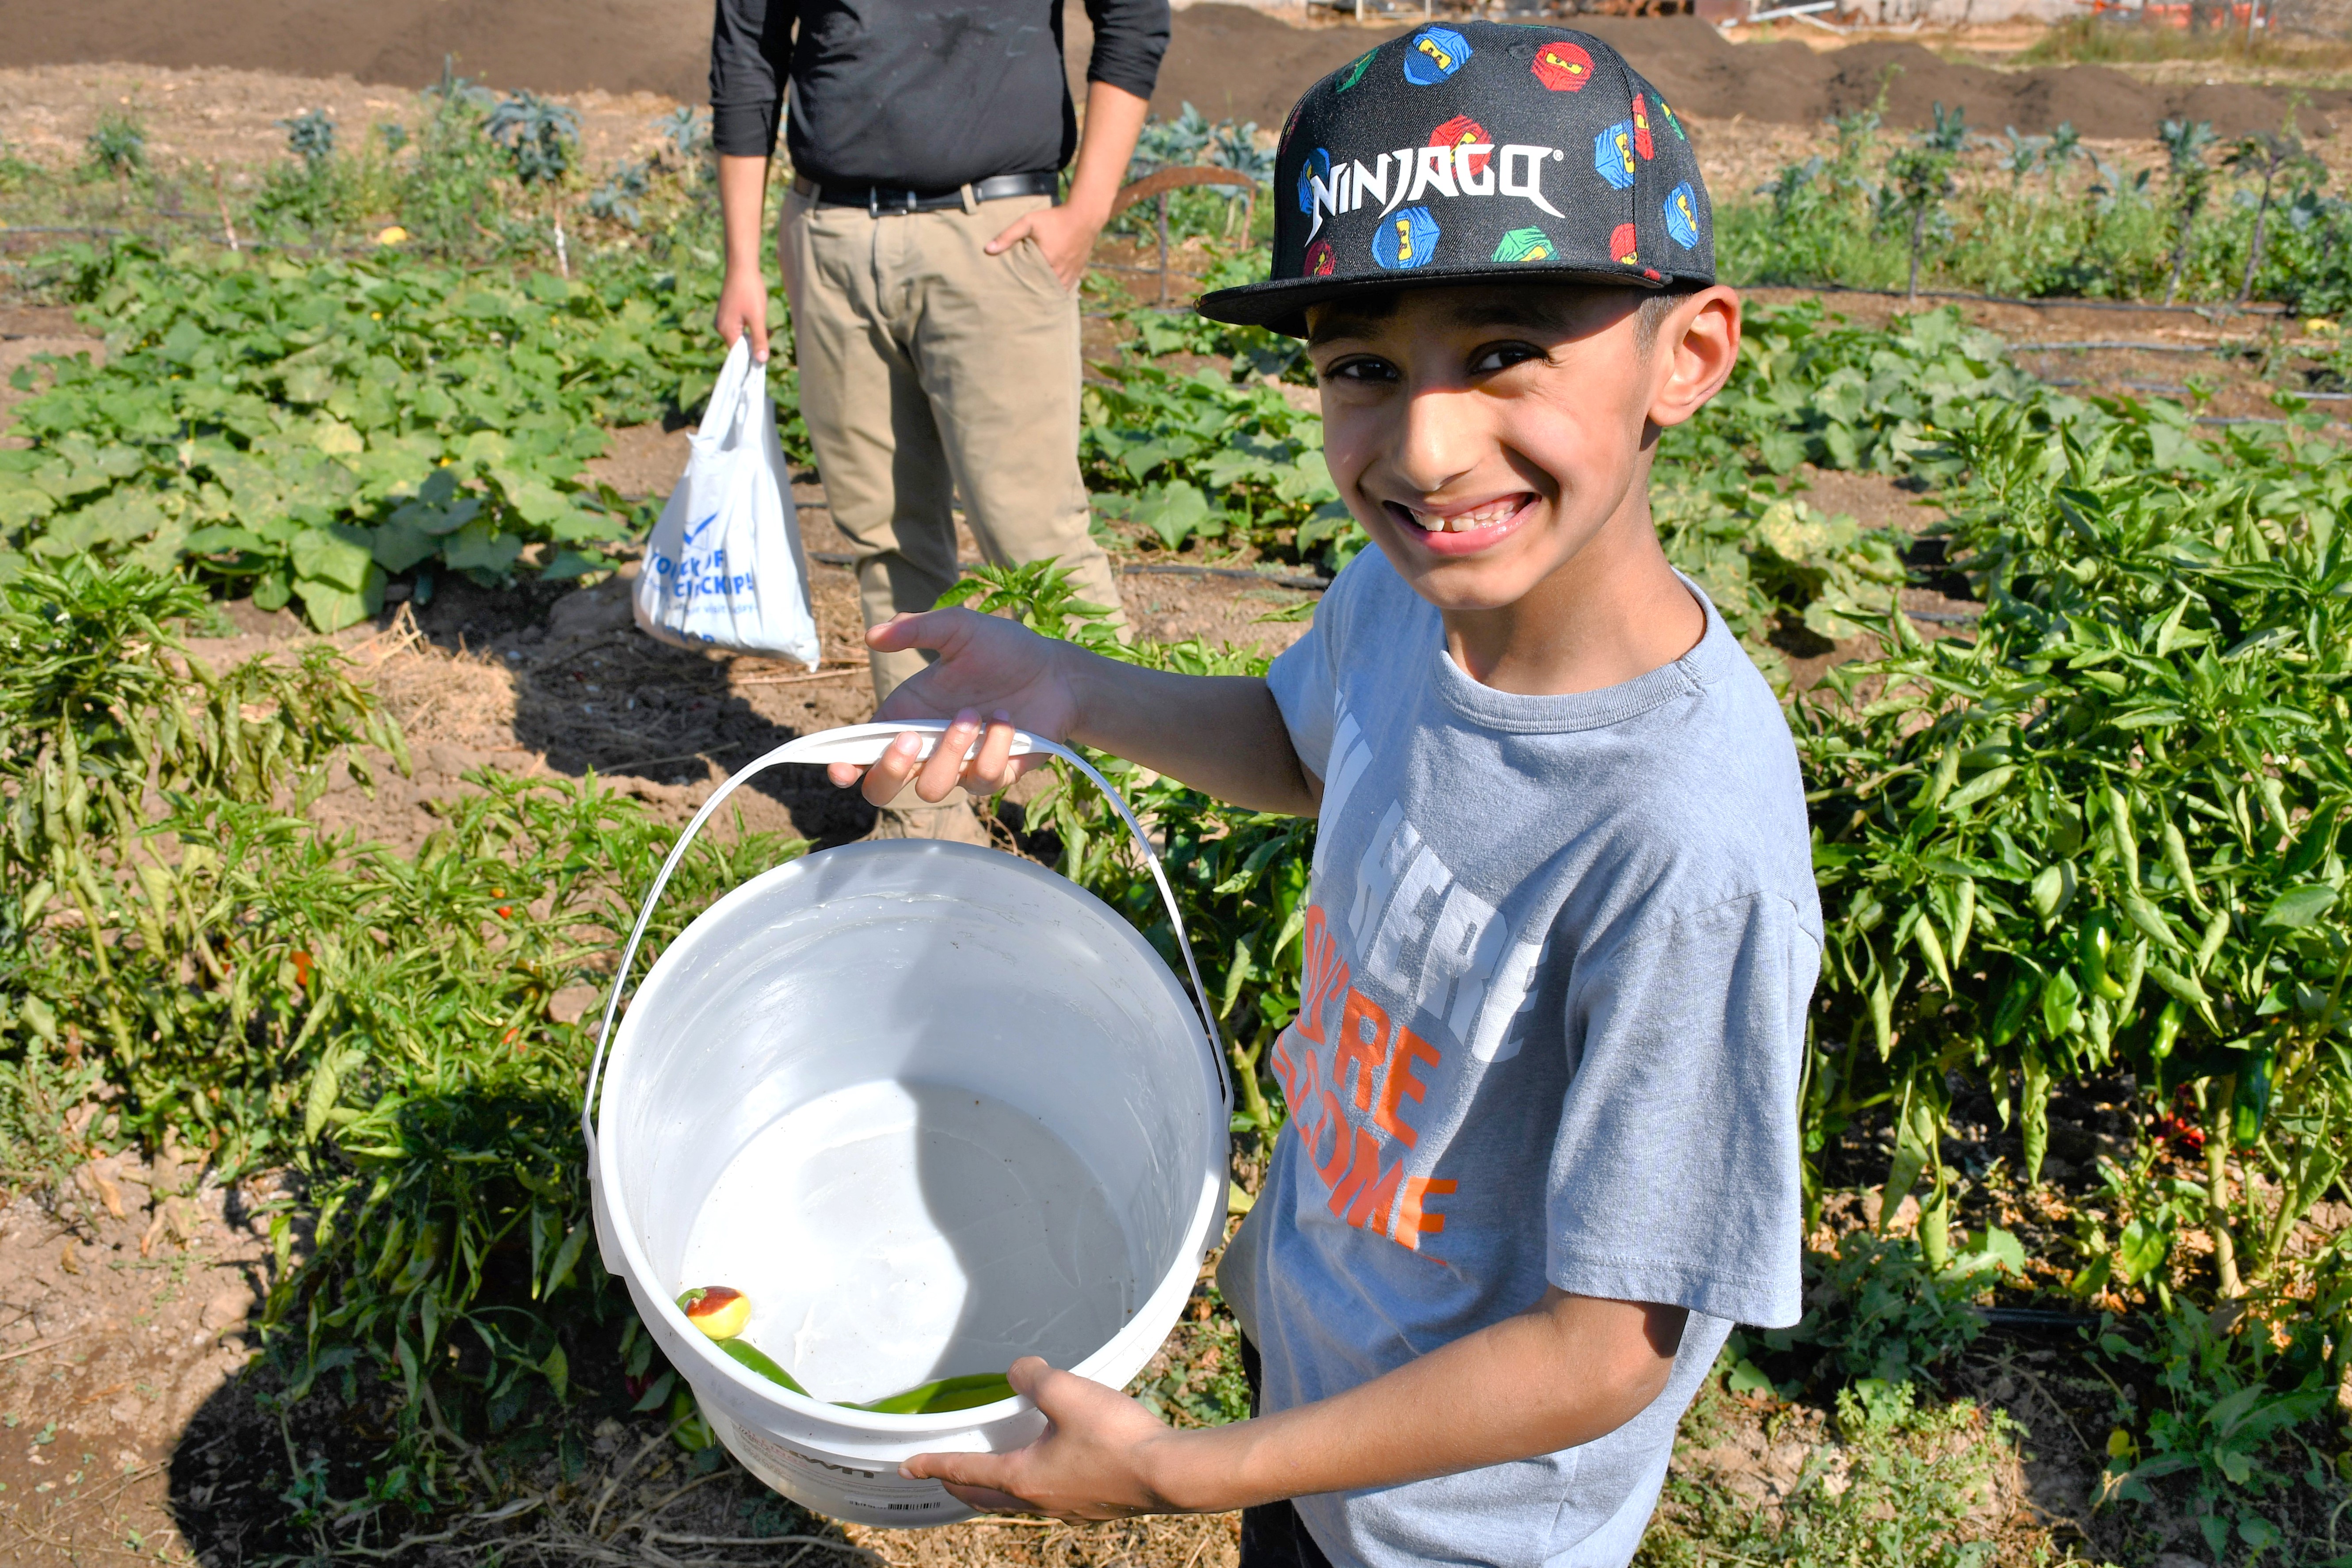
(1328, 187)
(1472, 147)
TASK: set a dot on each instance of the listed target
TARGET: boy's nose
(1443, 439)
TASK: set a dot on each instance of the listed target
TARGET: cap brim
(1281, 304)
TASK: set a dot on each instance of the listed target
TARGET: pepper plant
(2106, 832)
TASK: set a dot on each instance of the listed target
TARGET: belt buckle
(903, 205)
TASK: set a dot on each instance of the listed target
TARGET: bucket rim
(1178, 1280)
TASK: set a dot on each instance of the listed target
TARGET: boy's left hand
(1090, 1465)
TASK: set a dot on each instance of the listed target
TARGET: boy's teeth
(1462, 522)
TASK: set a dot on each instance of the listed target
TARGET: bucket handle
(863, 744)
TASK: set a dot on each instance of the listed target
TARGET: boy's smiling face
(1495, 439)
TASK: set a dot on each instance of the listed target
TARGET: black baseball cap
(1478, 152)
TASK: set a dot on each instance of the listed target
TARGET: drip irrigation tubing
(1304, 583)
(2135, 345)
(2051, 303)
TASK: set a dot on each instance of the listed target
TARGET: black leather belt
(882, 201)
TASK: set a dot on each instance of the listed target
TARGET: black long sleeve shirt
(888, 94)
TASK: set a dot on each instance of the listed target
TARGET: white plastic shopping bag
(724, 568)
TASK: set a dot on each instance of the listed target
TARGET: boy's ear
(1695, 349)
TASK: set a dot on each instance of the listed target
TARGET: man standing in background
(933, 279)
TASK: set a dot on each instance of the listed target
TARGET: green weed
(2228, 1423)
(117, 148)
(1900, 1485)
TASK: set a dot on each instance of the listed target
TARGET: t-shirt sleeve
(1306, 684)
(1675, 1178)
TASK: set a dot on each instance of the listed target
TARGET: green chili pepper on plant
(2167, 1031)
(2094, 945)
(2252, 1101)
(2015, 1003)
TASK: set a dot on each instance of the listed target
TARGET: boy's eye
(1361, 368)
(1502, 356)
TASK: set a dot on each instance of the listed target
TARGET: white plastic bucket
(932, 1108)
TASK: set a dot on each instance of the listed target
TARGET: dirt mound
(1227, 60)
(621, 46)
(1231, 60)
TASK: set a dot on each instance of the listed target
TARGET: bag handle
(742, 381)
(863, 744)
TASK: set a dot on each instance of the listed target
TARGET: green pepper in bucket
(947, 1393)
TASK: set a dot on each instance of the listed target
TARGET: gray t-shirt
(1556, 965)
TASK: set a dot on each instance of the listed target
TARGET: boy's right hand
(987, 666)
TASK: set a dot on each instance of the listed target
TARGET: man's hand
(986, 664)
(1093, 1463)
(1064, 233)
(744, 308)
(1067, 233)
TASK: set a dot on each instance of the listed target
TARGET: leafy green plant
(383, 1023)
(310, 136)
(1812, 388)
(1184, 142)
(1882, 1310)
(2271, 158)
(2185, 144)
(1919, 181)
(1158, 447)
(118, 147)
(440, 1120)
(540, 138)
(306, 432)
(1254, 350)
(2105, 831)
(2229, 1416)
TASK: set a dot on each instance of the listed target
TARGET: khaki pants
(929, 369)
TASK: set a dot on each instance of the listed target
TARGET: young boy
(1542, 1152)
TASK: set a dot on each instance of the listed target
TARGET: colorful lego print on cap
(1314, 178)
(1524, 245)
(1681, 214)
(1465, 149)
(1406, 239)
(1436, 53)
(1464, 133)
(1564, 66)
(1613, 156)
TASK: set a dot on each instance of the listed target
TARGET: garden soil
(1228, 60)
